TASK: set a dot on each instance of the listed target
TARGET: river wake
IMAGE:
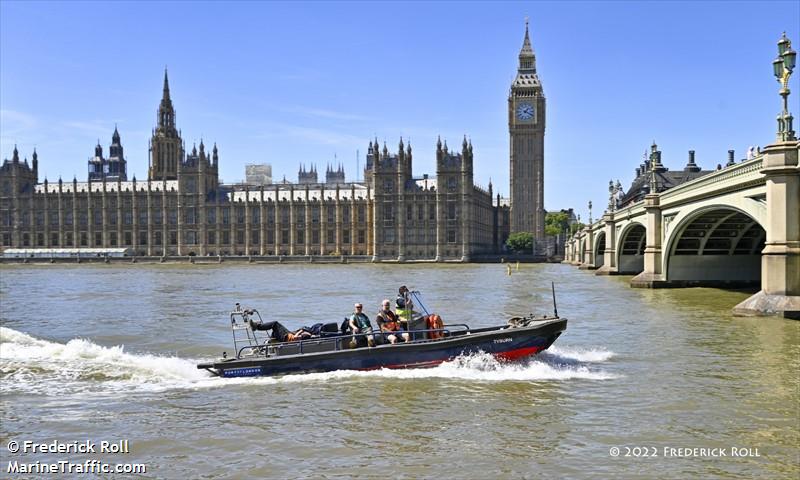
(29, 365)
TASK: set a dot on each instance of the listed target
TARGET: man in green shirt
(360, 324)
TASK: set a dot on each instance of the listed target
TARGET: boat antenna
(555, 308)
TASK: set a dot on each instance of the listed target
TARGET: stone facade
(182, 209)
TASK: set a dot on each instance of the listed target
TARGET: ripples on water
(107, 352)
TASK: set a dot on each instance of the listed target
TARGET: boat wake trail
(32, 365)
(29, 365)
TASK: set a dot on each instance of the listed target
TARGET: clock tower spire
(526, 122)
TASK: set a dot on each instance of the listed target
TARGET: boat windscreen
(419, 304)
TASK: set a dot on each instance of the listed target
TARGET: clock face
(524, 111)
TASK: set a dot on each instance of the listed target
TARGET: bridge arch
(599, 249)
(630, 252)
(715, 244)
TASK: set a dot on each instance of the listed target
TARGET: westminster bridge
(737, 225)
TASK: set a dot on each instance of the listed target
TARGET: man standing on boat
(360, 324)
(405, 307)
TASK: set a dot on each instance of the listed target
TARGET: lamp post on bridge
(782, 67)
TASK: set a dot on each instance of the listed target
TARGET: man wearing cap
(360, 324)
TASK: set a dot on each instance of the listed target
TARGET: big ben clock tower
(526, 121)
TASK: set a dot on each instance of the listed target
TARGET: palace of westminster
(183, 209)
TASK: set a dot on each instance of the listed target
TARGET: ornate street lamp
(590, 212)
(782, 67)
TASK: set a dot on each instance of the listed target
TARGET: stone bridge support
(780, 259)
(653, 275)
(588, 252)
(610, 256)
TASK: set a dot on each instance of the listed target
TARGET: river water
(668, 377)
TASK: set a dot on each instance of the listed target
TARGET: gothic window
(98, 239)
(254, 237)
(191, 185)
(315, 237)
(142, 238)
(112, 239)
(212, 238)
(331, 214)
(53, 219)
(431, 212)
(315, 214)
(190, 216)
(388, 212)
(157, 217)
(68, 218)
(452, 183)
(84, 239)
(300, 237)
(361, 213)
(420, 212)
(54, 240)
(388, 235)
(6, 239)
(226, 216)
(331, 238)
(157, 240)
(388, 186)
(451, 210)
(173, 238)
(451, 236)
(270, 236)
(128, 238)
(98, 217)
(127, 217)
(255, 216)
(409, 212)
(6, 218)
(112, 218)
(226, 237)
(345, 236)
(240, 215)
(362, 236)
(346, 213)
(39, 218)
(285, 236)
(172, 216)
(240, 237)
(40, 240)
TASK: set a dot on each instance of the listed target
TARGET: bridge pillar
(588, 254)
(780, 259)
(610, 256)
(652, 276)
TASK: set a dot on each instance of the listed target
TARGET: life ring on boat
(434, 322)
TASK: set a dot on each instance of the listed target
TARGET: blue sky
(291, 83)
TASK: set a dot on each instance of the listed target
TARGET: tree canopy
(520, 242)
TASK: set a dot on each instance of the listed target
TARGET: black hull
(509, 343)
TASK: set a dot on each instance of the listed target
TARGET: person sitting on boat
(360, 324)
(389, 324)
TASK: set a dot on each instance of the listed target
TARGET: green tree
(575, 227)
(520, 242)
(555, 223)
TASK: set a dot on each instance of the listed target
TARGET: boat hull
(503, 343)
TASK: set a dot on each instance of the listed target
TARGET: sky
(312, 83)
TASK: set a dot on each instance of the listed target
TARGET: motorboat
(325, 347)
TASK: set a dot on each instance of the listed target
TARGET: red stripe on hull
(506, 356)
(519, 353)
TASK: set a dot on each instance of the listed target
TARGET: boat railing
(242, 333)
(344, 342)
